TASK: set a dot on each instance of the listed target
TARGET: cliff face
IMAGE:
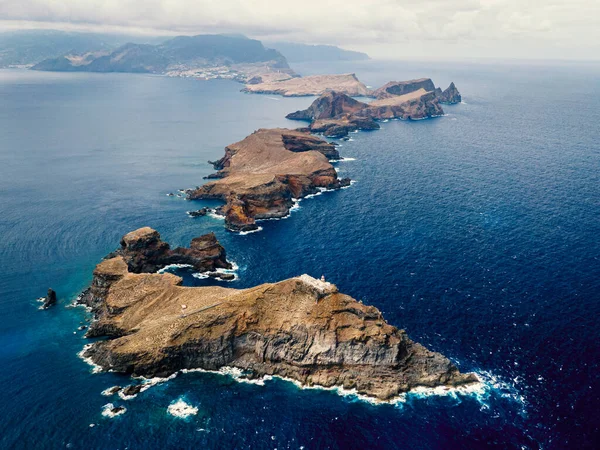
(260, 176)
(395, 88)
(301, 328)
(310, 85)
(335, 114)
(143, 251)
(416, 105)
(328, 106)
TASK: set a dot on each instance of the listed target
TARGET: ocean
(477, 232)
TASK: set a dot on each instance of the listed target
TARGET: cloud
(380, 24)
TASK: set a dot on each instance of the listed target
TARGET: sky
(390, 29)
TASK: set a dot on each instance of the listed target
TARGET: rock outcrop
(260, 176)
(143, 251)
(450, 95)
(310, 85)
(49, 299)
(301, 328)
(395, 88)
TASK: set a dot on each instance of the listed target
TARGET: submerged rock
(198, 213)
(131, 390)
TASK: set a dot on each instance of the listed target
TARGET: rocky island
(302, 329)
(260, 176)
(335, 114)
(310, 85)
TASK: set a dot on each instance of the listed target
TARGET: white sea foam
(347, 159)
(173, 267)
(214, 215)
(244, 233)
(107, 411)
(95, 367)
(181, 409)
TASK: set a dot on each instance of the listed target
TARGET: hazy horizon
(385, 29)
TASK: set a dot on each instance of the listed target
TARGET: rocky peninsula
(310, 85)
(302, 329)
(260, 176)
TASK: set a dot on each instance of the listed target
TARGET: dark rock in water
(450, 95)
(112, 391)
(227, 276)
(222, 276)
(82, 327)
(50, 299)
(131, 390)
(199, 213)
(117, 410)
(170, 194)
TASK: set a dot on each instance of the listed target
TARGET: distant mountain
(182, 53)
(305, 53)
(29, 47)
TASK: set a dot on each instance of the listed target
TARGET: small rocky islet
(301, 328)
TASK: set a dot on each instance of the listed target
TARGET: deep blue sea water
(477, 232)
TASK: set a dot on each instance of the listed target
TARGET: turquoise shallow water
(477, 232)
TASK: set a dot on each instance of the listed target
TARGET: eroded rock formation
(143, 251)
(450, 95)
(300, 328)
(260, 176)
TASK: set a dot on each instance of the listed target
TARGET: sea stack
(49, 299)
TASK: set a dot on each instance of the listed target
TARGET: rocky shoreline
(301, 329)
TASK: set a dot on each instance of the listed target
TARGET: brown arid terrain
(260, 176)
(311, 85)
(302, 329)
